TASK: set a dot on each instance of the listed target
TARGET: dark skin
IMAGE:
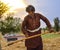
(31, 13)
(32, 22)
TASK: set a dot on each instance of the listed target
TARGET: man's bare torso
(33, 23)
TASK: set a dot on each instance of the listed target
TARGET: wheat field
(48, 44)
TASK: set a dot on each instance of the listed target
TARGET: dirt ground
(49, 44)
(52, 44)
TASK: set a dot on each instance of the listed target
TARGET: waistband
(34, 30)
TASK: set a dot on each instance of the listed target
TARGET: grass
(50, 35)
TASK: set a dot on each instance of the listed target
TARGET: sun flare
(15, 4)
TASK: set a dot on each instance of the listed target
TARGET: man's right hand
(51, 30)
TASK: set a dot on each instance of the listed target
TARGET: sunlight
(15, 4)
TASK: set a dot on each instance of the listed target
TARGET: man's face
(31, 13)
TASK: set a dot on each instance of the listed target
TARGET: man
(31, 27)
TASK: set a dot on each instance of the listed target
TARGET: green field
(50, 35)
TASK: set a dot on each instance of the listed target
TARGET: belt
(34, 30)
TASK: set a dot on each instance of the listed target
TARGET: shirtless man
(31, 26)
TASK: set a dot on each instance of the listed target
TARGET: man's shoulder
(37, 13)
(26, 17)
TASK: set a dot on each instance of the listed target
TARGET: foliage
(10, 24)
(44, 29)
(3, 8)
(57, 24)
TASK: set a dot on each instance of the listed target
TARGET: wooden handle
(23, 39)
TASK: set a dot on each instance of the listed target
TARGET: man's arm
(24, 23)
(46, 21)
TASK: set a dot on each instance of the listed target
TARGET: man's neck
(32, 15)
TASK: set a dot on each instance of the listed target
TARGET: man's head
(30, 8)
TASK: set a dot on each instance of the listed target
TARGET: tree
(44, 29)
(56, 24)
(10, 24)
(3, 8)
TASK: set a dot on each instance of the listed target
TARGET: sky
(49, 8)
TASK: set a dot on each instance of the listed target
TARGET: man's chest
(33, 20)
